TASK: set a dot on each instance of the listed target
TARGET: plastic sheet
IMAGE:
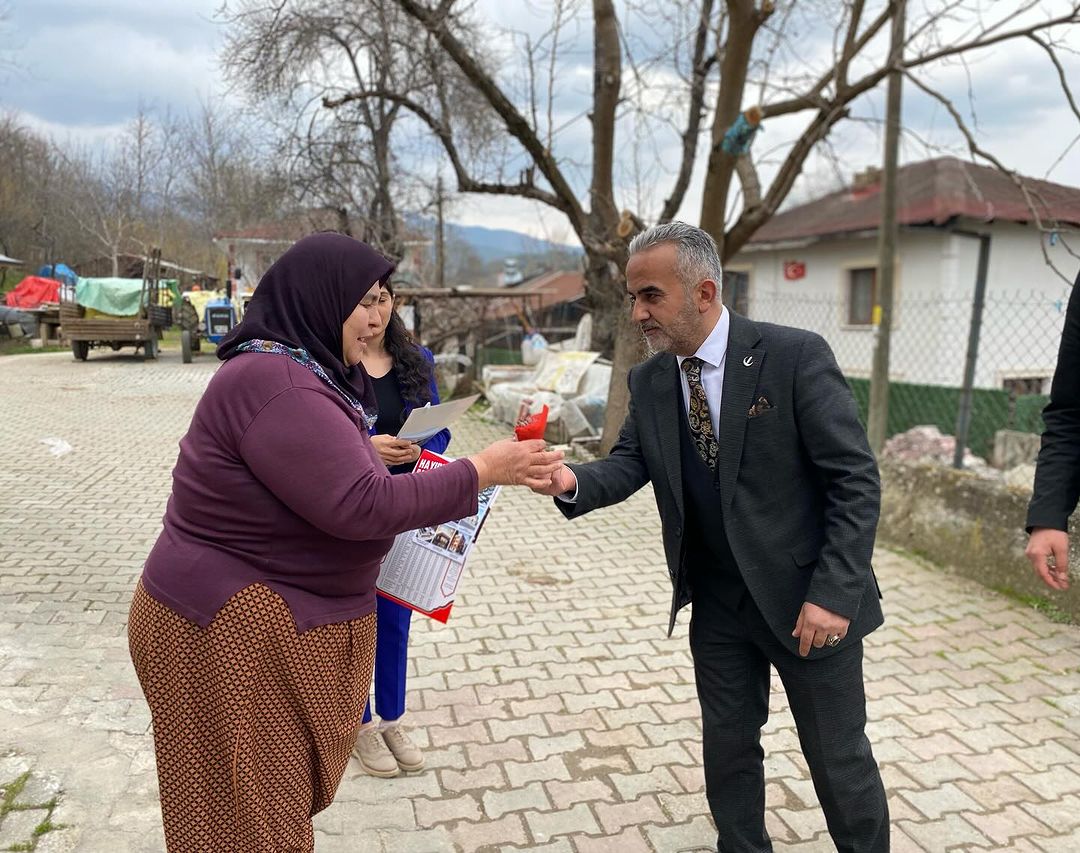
(576, 410)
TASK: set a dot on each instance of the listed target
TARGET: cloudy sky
(82, 68)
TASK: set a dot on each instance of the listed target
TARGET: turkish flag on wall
(794, 270)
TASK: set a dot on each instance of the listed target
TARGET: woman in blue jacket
(404, 378)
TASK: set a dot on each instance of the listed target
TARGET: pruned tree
(677, 68)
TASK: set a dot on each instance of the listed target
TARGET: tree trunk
(629, 350)
(343, 223)
(385, 224)
(605, 251)
(743, 23)
(607, 277)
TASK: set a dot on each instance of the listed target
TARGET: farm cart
(118, 312)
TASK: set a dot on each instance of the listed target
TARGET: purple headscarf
(305, 297)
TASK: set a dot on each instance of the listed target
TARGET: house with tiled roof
(815, 266)
(249, 251)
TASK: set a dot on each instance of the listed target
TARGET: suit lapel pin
(748, 361)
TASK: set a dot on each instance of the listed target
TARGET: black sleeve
(1057, 475)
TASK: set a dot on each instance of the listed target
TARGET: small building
(815, 266)
(554, 302)
(249, 252)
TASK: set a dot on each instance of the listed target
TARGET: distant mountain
(492, 244)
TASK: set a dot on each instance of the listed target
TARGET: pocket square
(761, 405)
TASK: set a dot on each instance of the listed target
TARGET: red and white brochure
(423, 567)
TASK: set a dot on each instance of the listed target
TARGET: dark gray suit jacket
(799, 486)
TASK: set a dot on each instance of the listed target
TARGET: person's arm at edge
(1057, 470)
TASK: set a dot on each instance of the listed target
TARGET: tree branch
(754, 217)
(748, 179)
(466, 183)
(434, 21)
(813, 99)
(700, 70)
(849, 46)
(607, 79)
(1061, 73)
(1072, 17)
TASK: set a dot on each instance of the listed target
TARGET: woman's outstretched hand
(516, 463)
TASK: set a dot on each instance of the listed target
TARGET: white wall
(934, 287)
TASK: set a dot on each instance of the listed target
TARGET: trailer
(117, 313)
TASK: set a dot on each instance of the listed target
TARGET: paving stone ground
(556, 714)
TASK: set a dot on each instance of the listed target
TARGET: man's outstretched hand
(563, 480)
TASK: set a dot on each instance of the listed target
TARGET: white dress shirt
(713, 354)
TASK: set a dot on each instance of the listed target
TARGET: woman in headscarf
(252, 629)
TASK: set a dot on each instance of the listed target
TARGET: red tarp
(32, 291)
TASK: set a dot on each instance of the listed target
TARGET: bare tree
(114, 188)
(26, 164)
(300, 58)
(230, 174)
(681, 66)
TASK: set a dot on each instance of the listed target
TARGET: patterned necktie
(701, 430)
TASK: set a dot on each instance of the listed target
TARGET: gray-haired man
(768, 495)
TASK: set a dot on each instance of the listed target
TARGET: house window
(735, 291)
(862, 296)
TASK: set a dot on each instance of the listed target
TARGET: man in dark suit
(1057, 472)
(768, 495)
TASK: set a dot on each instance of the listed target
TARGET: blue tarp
(60, 272)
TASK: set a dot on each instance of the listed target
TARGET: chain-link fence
(1017, 344)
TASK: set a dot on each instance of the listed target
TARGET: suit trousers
(391, 659)
(733, 649)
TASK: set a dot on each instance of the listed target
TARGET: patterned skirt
(253, 723)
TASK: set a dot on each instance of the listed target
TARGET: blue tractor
(219, 316)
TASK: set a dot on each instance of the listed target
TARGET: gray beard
(649, 348)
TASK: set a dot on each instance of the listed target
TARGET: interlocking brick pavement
(555, 714)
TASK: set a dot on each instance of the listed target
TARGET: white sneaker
(371, 751)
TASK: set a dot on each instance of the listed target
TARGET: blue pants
(391, 658)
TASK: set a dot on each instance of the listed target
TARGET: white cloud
(87, 65)
(92, 65)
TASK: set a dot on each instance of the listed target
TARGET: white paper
(425, 421)
(423, 567)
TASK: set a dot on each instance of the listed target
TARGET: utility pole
(878, 417)
(440, 256)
